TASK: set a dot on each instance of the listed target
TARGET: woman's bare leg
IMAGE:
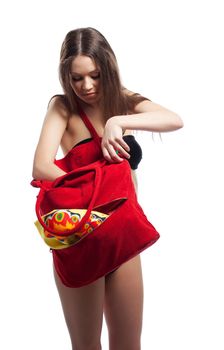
(83, 312)
(123, 306)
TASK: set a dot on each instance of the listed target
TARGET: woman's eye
(80, 78)
(76, 79)
(96, 76)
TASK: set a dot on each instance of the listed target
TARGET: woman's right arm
(53, 128)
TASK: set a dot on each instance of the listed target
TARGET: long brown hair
(90, 42)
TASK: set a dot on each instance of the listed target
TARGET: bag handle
(98, 175)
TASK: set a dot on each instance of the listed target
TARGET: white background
(171, 52)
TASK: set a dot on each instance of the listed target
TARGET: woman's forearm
(155, 121)
(46, 171)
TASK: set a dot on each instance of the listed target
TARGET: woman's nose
(87, 84)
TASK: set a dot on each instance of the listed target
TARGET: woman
(90, 79)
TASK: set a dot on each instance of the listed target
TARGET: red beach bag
(93, 184)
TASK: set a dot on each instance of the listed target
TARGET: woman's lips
(90, 94)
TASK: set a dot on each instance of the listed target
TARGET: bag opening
(109, 207)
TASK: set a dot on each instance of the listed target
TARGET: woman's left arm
(149, 116)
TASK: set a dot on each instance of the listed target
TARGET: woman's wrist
(118, 120)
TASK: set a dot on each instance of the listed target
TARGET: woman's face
(85, 79)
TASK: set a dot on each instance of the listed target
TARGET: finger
(106, 154)
(111, 155)
(121, 149)
(121, 142)
(114, 153)
(124, 145)
(121, 152)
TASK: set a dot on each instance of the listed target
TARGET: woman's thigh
(123, 306)
(83, 312)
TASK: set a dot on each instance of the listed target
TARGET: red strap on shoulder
(89, 125)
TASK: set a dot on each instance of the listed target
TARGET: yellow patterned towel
(66, 219)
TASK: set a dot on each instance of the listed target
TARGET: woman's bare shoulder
(59, 103)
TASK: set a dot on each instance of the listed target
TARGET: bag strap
(98, 175)
(89, 125)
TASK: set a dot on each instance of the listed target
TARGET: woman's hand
(114, 148)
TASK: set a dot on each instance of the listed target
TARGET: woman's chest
(77, 131)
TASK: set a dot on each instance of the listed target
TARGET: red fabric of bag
(95, 184)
